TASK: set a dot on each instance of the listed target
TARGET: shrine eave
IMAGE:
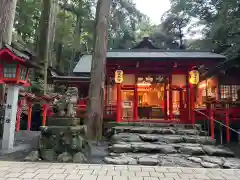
(84, 64)
(70, 79)
(159, 54)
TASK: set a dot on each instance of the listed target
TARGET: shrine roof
(84, 64)
(18, 53)
(54, 72)
(70, 79)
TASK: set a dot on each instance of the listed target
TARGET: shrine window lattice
(229, 91)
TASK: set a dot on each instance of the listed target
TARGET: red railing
(223, 114)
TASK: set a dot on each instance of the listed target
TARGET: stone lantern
(14, 71)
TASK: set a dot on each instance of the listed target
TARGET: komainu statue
(65, 106)
(64, 138)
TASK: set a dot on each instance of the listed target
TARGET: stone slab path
(172, 145)
(27, 170)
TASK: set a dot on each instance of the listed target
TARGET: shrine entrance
(176, 103)
(129, 101)
(127, 104)
(152, 102)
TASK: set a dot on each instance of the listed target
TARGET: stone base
(64, 121)
(62, 143)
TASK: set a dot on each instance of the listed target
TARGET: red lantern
(14, 66)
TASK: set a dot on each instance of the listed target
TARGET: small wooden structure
(25, 103)
(47, 101)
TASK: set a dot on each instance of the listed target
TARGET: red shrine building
(155, 84)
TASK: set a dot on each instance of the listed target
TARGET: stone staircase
(167, 145)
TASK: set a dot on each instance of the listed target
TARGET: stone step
(161, 139)
(149, 124)
(157, 130)
(179, 148)
(174, 160)
(167, 146)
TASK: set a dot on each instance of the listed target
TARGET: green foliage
(157, 33)
(27, 20)
(221, 21)
(174, 25)
(64, 31)
(124, 20)
(74, 30)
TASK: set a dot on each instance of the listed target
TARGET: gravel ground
(25, 142)
(98, 152)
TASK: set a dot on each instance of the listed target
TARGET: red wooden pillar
(44, 114)
(192, 103)
(29, 115)
(19, 112)
(119, 108)
(187, 116)
(181, 105)
(181, 98)
(170, 98)
(47, 100)
(211, 115)
(165, 102)
(135, 110)
(227, 126)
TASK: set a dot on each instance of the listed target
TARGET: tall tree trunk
(59, 46)
(44, 41)
(52, 32)
(59, 49)
(96, 88)
(76, 42)
(7, 15)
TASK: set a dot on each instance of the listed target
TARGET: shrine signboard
(152, 79)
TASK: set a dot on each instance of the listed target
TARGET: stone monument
(63, 139)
